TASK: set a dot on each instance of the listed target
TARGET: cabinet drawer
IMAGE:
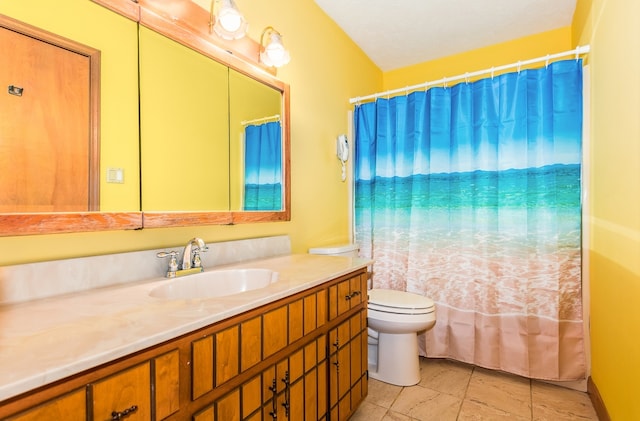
(126, 392)
(347, 294)
(71, 406)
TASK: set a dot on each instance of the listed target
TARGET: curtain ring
(444, 80)
(466, 78)
(519, 67)
(577, 53)
(491, 73)
(547, 63)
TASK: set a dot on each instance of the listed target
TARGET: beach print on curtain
(470, 195)
(263, 167)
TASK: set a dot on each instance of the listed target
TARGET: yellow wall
(184, 127)
(612, 28)
(483, 58)
(115, 37)
(326, 69)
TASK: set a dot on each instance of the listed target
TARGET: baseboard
(596, 400)
(579, 385)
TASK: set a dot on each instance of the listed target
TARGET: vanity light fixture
(226, 20)
(273, 54)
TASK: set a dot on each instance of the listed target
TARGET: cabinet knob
(118, 415)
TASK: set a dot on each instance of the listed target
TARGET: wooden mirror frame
(190, 29)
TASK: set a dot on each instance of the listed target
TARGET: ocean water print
(514, 238)
(262, 197)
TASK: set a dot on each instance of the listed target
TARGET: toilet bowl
(395, 318)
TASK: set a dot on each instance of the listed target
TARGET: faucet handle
(173, 263)
(197, 262)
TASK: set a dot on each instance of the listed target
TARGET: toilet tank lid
(398, 299)
(334, 249)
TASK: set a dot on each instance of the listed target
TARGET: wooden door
(45, 128)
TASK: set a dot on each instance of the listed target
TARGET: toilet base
(398, 362)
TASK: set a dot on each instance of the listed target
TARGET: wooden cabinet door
(250, 343)
(128, 392)
(201, 366)
(227, 354)
(347, 366)
(252, 400)
(45, 152)
(228, 407)
(316, 385)
(167, 384)
(70, 407)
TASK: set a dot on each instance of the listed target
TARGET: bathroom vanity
(295, 350)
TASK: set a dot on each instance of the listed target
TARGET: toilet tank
(349, 250)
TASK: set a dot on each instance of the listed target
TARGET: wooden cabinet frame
(207, 372)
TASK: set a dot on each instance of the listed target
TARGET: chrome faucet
(191, 253)
(191, 262)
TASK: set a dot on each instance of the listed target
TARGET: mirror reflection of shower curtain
(263, 167)
(470, 195)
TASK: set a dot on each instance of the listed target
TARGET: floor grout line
(443, 373)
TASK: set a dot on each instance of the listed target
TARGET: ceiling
(401, 33)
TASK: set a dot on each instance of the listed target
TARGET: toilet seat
(399, 302)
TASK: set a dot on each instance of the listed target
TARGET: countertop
(49, 339)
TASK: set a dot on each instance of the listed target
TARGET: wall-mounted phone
(342, 151)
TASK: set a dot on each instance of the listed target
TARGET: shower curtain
(470, 195)
(263, 167)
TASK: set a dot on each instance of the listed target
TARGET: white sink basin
(217, 283)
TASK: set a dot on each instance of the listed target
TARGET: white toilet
(395, 318)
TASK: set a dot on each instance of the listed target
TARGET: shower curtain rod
(258, 120)
(445, 80)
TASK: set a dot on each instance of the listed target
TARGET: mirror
(109, 125)
(125, 205)
(200, 104)
(214, 130)
(255, 143)
(184, 127)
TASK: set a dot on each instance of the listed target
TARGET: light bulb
(230, 20)
(274, 54)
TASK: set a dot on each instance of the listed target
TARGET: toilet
(395, 318)
(349, 250)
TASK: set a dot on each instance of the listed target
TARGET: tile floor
(451, 390)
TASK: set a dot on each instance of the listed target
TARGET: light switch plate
(115, 175)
